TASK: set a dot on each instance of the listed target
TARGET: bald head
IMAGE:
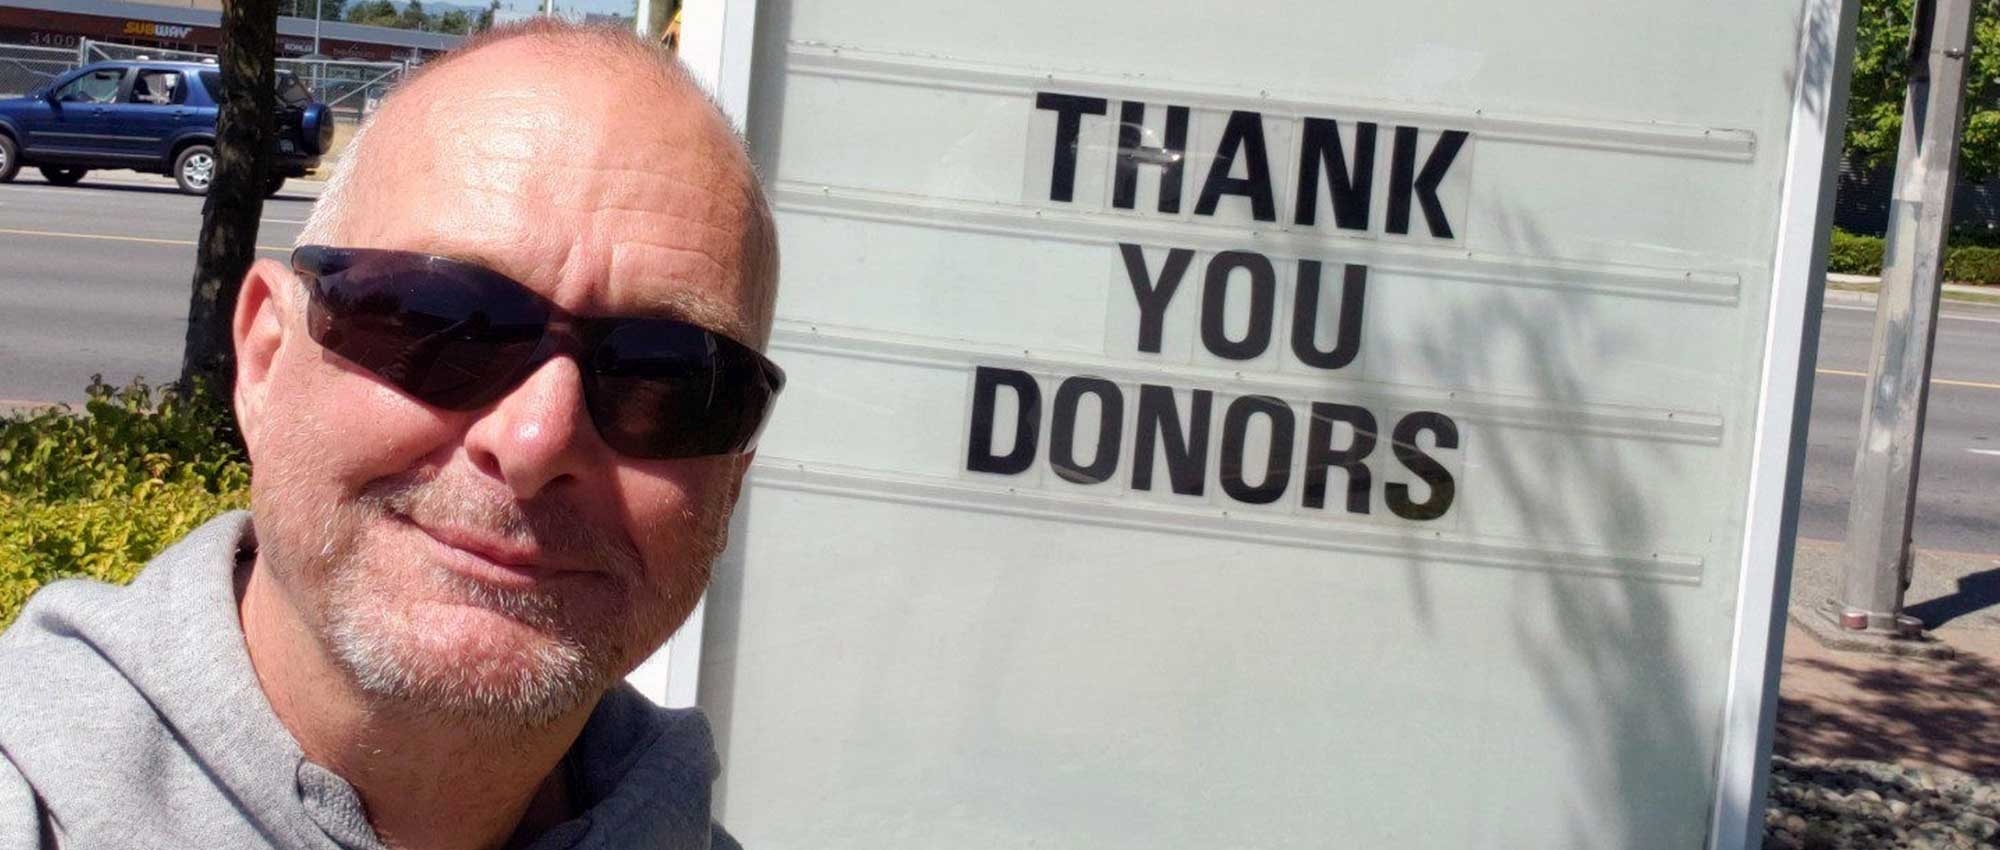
(505, 562)
(592, 151)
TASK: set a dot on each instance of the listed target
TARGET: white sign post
(1299, 425)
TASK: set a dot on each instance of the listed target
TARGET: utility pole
(1877, 556)
(319, 14)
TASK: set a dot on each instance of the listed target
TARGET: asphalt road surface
(1958, 490)
(94, 279)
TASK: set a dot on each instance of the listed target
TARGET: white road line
(1989, 452)
(1947, 382)
(148, 240)
(1956, 317)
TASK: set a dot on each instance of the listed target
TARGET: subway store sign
(150, 29)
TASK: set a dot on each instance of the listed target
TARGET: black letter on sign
(1215, 296)
(1305, 317)
(1402, 162)
(1277, 468)
(986, 383)
(1320, 454)
(1187, 451)
(1351, 190)
(1171, 157)
(1069, 109)
(1426, 467)
(1110, 431)
(1154, 295)
(1244, 132)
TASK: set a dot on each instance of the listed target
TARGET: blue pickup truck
(156, 117)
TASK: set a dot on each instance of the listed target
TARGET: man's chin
(469, 661)
(466, 634)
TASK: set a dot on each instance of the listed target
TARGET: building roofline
(338, 30)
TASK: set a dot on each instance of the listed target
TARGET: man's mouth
(487, 557)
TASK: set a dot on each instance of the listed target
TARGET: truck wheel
(194, 169)
(10, 159)
(272, 185)
(63, 176)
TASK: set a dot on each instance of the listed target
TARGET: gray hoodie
(130, 718)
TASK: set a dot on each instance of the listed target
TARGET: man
(499, 405)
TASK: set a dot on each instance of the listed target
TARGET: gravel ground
(1847, 804)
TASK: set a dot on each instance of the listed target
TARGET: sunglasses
(459, 336)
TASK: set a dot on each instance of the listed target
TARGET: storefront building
(65, 23)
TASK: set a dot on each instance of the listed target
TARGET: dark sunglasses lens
(663, 389)
(447, 333)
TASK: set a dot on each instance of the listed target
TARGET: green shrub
(100, 492)
(1972, 264)
(1852, 254)
(1969, 259)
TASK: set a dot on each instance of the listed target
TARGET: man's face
(504, 562)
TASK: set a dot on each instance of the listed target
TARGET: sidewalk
(1910, 711)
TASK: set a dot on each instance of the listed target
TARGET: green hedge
(1973, 264)
(1964, 262)
(99, 492)
(1852, 254)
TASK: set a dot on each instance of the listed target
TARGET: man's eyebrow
(666, 302)
(478, 258)
(678, 303)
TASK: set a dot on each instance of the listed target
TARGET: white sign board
(1292, 425)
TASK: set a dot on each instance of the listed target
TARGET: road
(1958, 493)
(94, 279)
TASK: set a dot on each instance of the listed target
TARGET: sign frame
(1819, 113)
(717, 45)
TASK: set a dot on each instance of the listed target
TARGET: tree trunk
(244, 134)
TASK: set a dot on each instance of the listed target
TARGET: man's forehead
(602, 206)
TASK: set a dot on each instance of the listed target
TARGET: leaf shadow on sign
(1611, 656)
(1817, 34)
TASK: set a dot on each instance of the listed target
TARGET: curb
(1982, 295)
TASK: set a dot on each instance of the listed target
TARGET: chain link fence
(350, 88)
(24, 68)
(88, 51)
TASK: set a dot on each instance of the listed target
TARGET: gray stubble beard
(366, 631)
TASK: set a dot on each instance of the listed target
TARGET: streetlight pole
(1877, 556)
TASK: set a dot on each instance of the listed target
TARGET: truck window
(99, 86)
(158, 88)
(291, 92)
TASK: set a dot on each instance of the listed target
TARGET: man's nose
(539, 434)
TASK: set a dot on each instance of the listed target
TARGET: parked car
(156, 117)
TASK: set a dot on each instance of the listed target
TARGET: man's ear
(264, 308)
